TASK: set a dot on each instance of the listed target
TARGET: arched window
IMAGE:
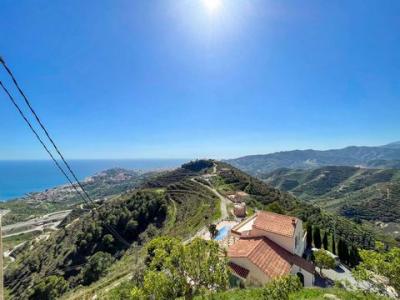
(301, 277)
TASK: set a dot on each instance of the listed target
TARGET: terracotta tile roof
(269, 257)
(242, 272)
(275, 223)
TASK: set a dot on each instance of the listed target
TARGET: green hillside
(265, 196)
(86, 246)
(374, 157)
(83, 259)
(304, 294)
(356, 193)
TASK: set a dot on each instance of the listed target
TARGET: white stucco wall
(299, 233)
(308, 277)
(255, 277)
(246, 225)
(283, 241)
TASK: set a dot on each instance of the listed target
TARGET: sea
(19, 177)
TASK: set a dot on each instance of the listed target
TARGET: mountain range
(83, 259)
(386, 156)
(357, 193)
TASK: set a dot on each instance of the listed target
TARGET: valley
(369, 195)
(180, 203)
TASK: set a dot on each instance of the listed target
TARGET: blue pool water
(222, 233)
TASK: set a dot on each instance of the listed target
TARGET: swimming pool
(223, 232)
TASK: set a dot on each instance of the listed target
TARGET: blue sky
(172, 79)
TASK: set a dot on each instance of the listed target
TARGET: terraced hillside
(356, 193)
(265, 196)
(85, 258)
(77, 256)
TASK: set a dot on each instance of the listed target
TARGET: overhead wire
(86, 199)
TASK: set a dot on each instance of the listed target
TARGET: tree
(309, 236)
(325, 241)
(131, 227)
(280, 288)
(49, 288)
(184, 270)
(108, 241)
(161, 285)
(275, 207)
(212, 228)
(379, 263)
(333, 244)
(323, 260)
(343, 251)
(317, 237)
(354, 257)
(96, 267)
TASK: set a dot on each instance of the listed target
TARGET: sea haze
(20, 177)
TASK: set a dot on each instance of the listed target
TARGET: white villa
(269, 245)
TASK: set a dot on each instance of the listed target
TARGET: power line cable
(41, 125)
(37, 135)
(88, 200)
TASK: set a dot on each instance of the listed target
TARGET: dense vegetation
(84, 254)
(263, 196)
(356, 193)
(71, 251)
(280, 287)
(380, 263)
(84, 259)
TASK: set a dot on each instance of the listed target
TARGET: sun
(212, 5)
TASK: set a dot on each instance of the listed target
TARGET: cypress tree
(317, 238)
(309, 236)
(325, 241)
(341, 251)
(354, 257)
(333, 244)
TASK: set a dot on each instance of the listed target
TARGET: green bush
(281, 288)
(49, 288)
(96, 267)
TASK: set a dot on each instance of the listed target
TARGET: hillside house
(269, 245)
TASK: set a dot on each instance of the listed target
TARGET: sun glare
(212, 5)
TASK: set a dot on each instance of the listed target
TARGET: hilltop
(374, 157)
(86, 259)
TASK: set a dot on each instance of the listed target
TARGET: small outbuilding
(239, 210)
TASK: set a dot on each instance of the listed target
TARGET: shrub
(49, 288)
(280, 288)
(323, 260)
(96, 267)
